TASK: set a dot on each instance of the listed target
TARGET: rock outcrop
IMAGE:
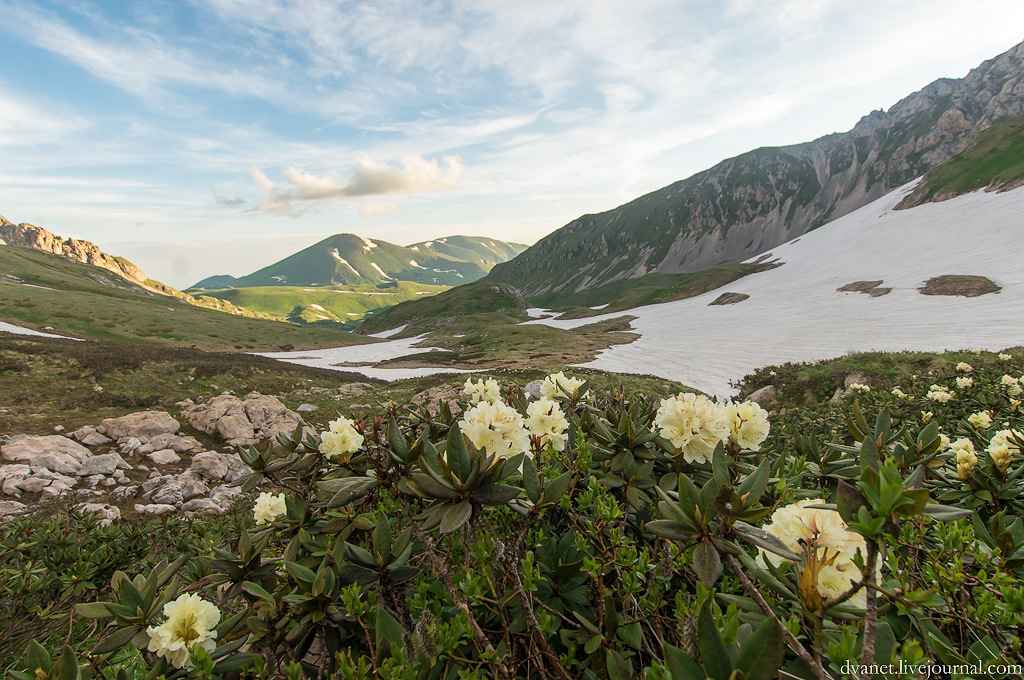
(243, 422)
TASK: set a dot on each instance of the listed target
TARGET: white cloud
(377, 208)
(367, 178)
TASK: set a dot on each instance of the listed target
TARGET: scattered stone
(124, 493)
(128, 445)
(105, 464)
(174, 442)
(532, 389)
(729, 299)
(306, 408)
(95, 439)
(94, 481)
(164, 457)
(109, 481)
(82, 432)
(143, 468)
(215, 467)
(857, 378)
(869, 287)
(157, 509)
(354, 389)
(202, 506)
(107, 514)
(58, 428)
(959, 284)
(144, 424)
(435, 396)
(53, 452)
(242, 423)
(179, 490)
(224, 495)
(12, 509)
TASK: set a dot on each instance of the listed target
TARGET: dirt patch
(870, 287)
(958, 284)
(729, 299)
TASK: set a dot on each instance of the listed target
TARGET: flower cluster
(482, 390)
(822, 536)
(965, 459)
(898, 393)
(964, 367)
(980, 420)
(496, 429)
(191, 623)
(748, 424)
(1012, 385)
(940, 394)
(560, 385)
(1003, 356)
(1001, 448)
(268, 507)
(695, 425)
(963, 382)
(860, 388)
(545, 419)
(341, 440)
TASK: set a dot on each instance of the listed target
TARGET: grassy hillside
(40, 290)
(648, 290)
(441, 310)
(995, 159)
(486, 252)
(340, 304)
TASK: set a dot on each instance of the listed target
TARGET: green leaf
(720, 465)
(36, 657)
(399, 444)
(388, 627)
(556, 488)
(116, 640)
(299, 572)
(868, 455)
(631, 634)
(707, 563)
(531, 481)
(681, 666)
(92, 610)
(382, 537)
(848, 501)
(496, 494)
(455, 516)
(457, 454)
(754, 484)
(617, 667)
(763, 652)
(762, 539)
(671, 529)
(234, 662)
(593, 644)
(66, 667)
(944, 513)
(712, 647)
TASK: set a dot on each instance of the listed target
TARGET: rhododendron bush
(581, 534)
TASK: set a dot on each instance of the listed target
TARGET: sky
(202, 137)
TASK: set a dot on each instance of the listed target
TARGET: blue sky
(200, 137)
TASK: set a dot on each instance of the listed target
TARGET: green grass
(438, 311)
(41, 290)
(345, 304)
(648, 290)
(994, 159)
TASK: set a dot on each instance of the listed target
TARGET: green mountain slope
(46, 291)
(480, 250)
(994, 159)
(213, 282)
(749, 204)
(335, 304)
(347, 259)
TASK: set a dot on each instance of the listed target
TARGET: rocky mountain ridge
(749, 204)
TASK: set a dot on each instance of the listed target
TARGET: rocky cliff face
(747, 205)
(30, 236)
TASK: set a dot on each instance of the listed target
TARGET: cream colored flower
(1003, 356)
(268, 507)
(926, 417)
(560, 385)
(544, 419)
(748, 424)
(1002, 449)
(1012, 385)
(496, 429)
(1014, 405)
(944, 442)
(965, 459)
(860, 388)
(898, 393)
(964, 382)
(482, 390)
(694, 424)
(964, 367)
(191, 623)
(980, 420)
(940, 394)
(823, 531)
(341, 440)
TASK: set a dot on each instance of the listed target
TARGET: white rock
(105, 513)
(53, 452)
(12, 509)
(104, 464)
(164, 457)
(95, 439)
(142, 424)
(157, 509)
(124, 493)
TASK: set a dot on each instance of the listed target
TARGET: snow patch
(794, 312)
(379, 270)
(315, 306)
(19, 330)
(413, 263)
(339, 258)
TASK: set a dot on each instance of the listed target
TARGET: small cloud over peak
(227, 202)
(368, 177)
(377, 208)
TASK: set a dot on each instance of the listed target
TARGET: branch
(790, 639)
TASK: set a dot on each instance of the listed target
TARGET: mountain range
(749, 204)
(348, 259)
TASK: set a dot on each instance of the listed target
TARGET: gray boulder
(144, 424)
(53, 452)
